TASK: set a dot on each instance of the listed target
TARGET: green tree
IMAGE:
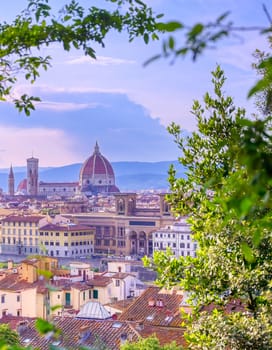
(151, 343)
(8, 337)
(226, 195)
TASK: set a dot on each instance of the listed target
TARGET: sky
(118, 102)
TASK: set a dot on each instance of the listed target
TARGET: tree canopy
(227, 198)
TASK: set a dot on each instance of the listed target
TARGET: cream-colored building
(128, 230)
(38, 288)
(20, 234)
(66, 240)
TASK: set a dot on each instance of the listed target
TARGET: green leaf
(169, 26)
(146, 38)
(44, 326)
(261, 85)
(248, 253)
(196, 30)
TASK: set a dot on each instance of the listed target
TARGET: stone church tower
(11, 182)
(32, 176)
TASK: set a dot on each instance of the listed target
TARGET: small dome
(93, 310)
(22, 187)
(97, 175)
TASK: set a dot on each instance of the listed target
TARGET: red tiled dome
(96, 174)
(96, 164)
(22, 186)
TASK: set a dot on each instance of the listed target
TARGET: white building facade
(178, 237)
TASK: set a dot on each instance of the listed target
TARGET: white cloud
(39, 88)
(52, 146)
(100, 60)
(64, 106)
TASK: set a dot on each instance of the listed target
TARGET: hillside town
(74, 250)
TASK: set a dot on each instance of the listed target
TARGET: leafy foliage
(227, 196)
(151, 343)
(73, 26)
(8, 336)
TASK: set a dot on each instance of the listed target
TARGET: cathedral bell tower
(11, 182)
(32, 176)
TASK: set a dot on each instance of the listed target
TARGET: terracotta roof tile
(155, 308)
(76, 333)
(22, 218)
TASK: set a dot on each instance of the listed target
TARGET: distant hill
(130, 176)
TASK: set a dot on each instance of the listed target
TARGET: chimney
(151, 302)
(84, 333)
(123, 338)
(140, 326)
(10, 264)
(159, 303)
(21, 327)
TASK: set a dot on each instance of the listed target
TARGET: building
(96, 176)
(58, 189)
(20, 234)
(178, 237)
(128, 230)
(73, 333)
(158, 312)
(60, 292)
(66, 240)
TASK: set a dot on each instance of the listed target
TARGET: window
(18, 298)
(67, 299)
(182, 245)
(117, 283)
(90, 294)
(3, 299)
(95, 294)
(188, 245)
(66, 244)
(84, 295)
(65, 234)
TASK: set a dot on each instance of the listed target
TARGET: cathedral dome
(22, 187)
(97, 175)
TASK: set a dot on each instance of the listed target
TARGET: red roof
(96, 165)
(22, 218)
(22, 186)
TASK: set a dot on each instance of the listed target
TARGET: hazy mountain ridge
(128, 175)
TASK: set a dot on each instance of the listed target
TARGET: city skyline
(117, 102)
